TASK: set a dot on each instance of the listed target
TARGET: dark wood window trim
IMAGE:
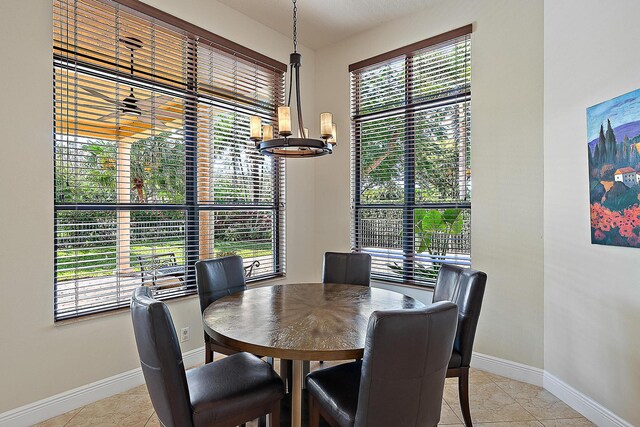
(196, 31)
(408, 49)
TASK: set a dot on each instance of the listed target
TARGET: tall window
(153, 164)
(411, 174)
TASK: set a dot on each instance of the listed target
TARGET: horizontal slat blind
(140, 197)
(411, 173)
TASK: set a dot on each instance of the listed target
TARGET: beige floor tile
(59, 421)
(132, 408)
(510, 424)
(475, 377)
(140, 390)
(539, 402)
(495, 378)
(512, 412)
(495, 402)
(571, 422)
(481, 377)
(488, 403)
(447, 416)
(479, 393)
(153, 421)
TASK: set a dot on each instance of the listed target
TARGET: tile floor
(495, 402)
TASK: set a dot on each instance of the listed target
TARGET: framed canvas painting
(613, 142)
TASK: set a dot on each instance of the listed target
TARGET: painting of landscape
(613, 129)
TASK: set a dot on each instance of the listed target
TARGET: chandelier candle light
(285, 145)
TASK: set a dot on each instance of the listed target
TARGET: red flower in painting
(632, 215)
(610, 226)
(626, 230)
(615, 219)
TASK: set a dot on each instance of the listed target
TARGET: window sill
(427, 288)
(194, 295)
(116, 311)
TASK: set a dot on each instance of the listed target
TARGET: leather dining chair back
(404, 366)
(229, 392)
(219, 277)
(215, 279)
(400, 379)
(464, 287)
(347, 268)
(160, 358)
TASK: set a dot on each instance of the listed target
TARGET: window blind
(153, 164)
(411, 163)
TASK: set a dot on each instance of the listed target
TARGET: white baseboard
(589, 408)
(72, 399)
(592, 410)
(506, 368)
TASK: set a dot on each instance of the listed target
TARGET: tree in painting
(614, 170)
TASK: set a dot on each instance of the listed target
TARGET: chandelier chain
(295, 27)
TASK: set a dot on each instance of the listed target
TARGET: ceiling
(324, 22)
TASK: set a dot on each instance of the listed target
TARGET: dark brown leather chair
(464, 287)
(348, 268)
(228, 392)
(400, 380)
(217, 278)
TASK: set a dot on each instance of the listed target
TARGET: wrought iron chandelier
(285, 145)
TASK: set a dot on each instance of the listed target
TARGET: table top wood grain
(312, 321)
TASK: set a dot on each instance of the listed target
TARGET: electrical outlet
(184, 334)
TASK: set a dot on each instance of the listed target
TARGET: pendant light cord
(295, 49)
(294, 68)
(295, 27)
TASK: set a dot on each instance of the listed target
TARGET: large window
(411, 174)
(153, 164)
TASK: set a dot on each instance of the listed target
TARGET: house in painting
(627, 176)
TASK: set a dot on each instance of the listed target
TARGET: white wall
(592, 292)
(39, 359)
(507, 88)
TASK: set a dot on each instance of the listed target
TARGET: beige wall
(507, 222)
(592, 292)
(37, 358)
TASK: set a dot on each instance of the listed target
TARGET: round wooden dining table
(299, 322)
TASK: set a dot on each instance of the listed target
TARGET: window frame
(409, 204)
(192, 207)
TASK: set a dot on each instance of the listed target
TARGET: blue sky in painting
(622, 109)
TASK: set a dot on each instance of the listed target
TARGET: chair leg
(274, 417)
(314, 413)
(286, 373)
(306, 368)
(463, 394)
